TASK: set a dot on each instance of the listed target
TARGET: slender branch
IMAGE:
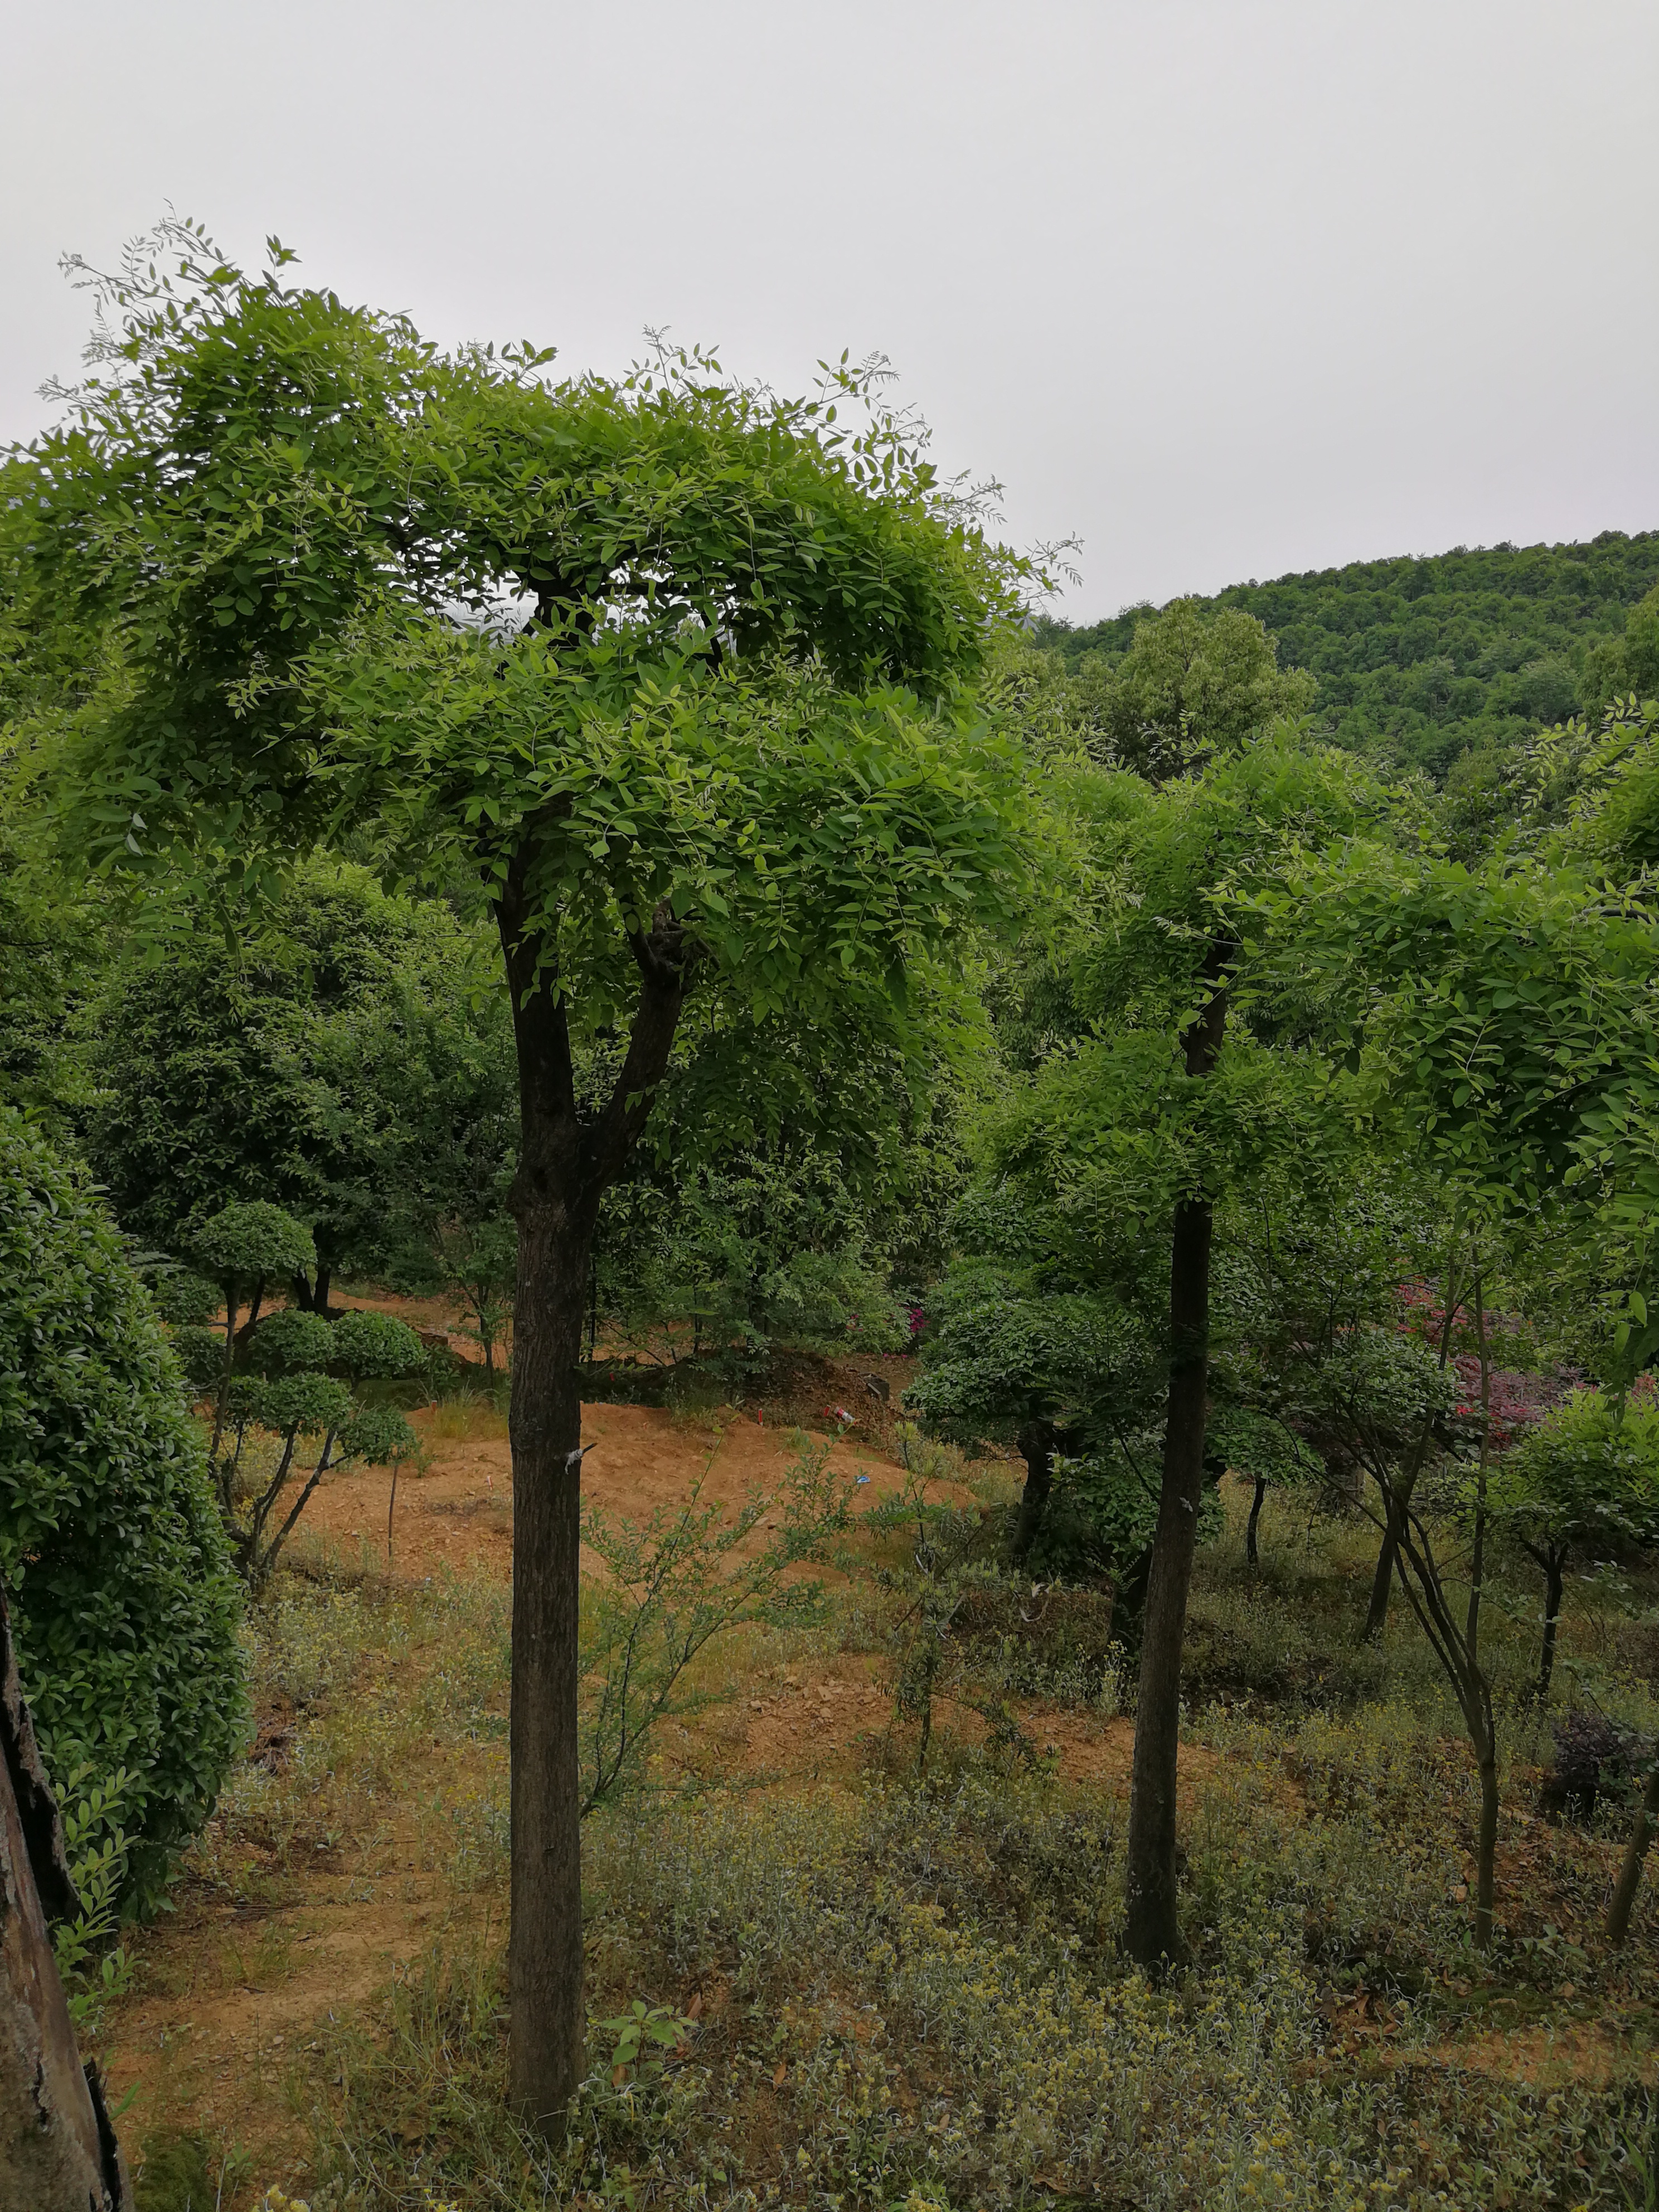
(222, 1400)
(664, 958)
(316, 1476)
(1471, 1630)
(262, 1505)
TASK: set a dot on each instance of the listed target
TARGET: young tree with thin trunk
(1152, 1923)
(673, 665)
(1509, 1016)
(1585, 1481)
(1184, 1091)
(1397, 1476)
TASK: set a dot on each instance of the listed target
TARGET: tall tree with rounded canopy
(674, 665)
(1180, 1090)
(1194, 683)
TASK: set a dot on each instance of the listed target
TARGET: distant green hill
(1426, 659)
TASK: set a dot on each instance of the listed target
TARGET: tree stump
(57, 2149)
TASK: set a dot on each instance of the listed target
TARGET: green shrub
(124, 1609)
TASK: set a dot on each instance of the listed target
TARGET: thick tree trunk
(57, 2149)
(1553, 1579)
(1037, 1444)
(544, 1954)
(1151, 1928)
(1252, 1551)
(1630, 1874)
(565, 1164)
(312, 1297)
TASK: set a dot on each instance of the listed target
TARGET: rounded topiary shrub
(123, 1605)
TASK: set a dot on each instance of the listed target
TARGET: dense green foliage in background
(1125, 1002)
(124, 1610)
(1426, 660)
(348, 1060)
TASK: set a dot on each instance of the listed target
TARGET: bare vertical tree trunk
(1484, 1736)
(1630, 1874)
(1552, 1562)
(1151, 1928)
(1483, 1731)
(565, 1164)
(1151, 1931)
(1376, 1614)
(1252, 1550)
(57, 2149)
(545, 1953)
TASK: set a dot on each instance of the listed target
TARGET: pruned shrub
(123, 1605)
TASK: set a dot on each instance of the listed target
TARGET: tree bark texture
(57, 2149)
(565, 1163)
(313, 1297)
(1151, 1932)
(1485, 1841)
(1630, 1874)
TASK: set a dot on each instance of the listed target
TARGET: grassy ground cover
(876, 1987)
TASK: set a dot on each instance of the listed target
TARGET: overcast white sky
(1226, 288)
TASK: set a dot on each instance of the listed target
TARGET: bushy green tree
(794, 1178)
(54, 943)
(1168, 1082)
(1508, 1016)
(706, 732)
(727, 1258)
(1584, 1481)
(1627, 664)
(1027, 1345)
(295, 1380)
(124, 1607)
(348, 1061)
(1592, 794)
(1422, 661)
(1194, 681)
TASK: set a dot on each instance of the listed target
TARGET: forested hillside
(1425, 660)
(802, 1404)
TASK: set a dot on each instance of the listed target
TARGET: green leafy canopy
(676, 641)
